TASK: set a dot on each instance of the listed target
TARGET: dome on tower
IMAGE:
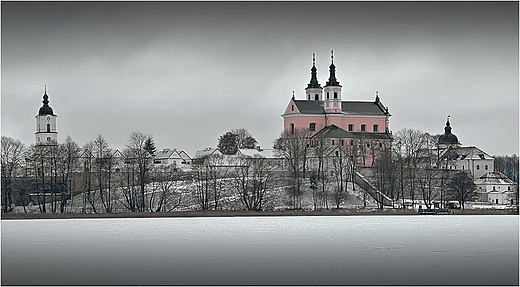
(46, 109)
(448, 138)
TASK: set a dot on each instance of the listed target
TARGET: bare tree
(252, 180)
(71, 152)
(12, 158)
(427, 176)
(166, 198)
(137, 144)
(412, 143)
(319, 180)
(208, 177)
(201, 180)
(104, 163)
(128, 182)
(293, 147)
(89, 195)
(386, 175)
(340, 173)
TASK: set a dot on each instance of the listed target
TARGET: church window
(486, 167)
(292, 108)
(292, 128)
(312, 127)
(327, 95)
(335, 95)
(332, 142)
(363, 128)
(375, 128)
(342, 142)
(350, 127)
(478, 167)
(48, 128)
(316, 97)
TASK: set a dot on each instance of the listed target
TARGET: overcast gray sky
(188, 72)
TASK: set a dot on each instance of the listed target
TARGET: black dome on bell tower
(45, 109)
(448, 137)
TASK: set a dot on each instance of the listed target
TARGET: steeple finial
(314, 75)
(377, 96)
(447, 129)
(332, 72)
(45, 98)
(293, 94)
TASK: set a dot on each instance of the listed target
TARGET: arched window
(363, 128)
(350, 127)
(335, 95)
(48, 128)
(316, 97)
(327, 95)
(292, 108)
(312, 127)
(292, 128)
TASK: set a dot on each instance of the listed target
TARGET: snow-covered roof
(466, 152)
(493, 177)
(206, 152)
(267, 153)
(165, 153)
(168, 153)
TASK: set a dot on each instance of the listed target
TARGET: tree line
(109, 180)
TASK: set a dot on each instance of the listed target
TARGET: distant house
(213, 157)
(468, 158)
(174, 157)
(203, 154)
(495, 187)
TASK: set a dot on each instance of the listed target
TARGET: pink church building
(358, 127)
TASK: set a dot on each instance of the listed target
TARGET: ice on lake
(301, 250)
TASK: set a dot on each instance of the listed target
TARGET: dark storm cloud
(187, 72)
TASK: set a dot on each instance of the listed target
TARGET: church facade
(362, 126)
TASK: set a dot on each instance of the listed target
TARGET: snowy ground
(276, 199)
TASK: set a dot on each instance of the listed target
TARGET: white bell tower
(46, 133)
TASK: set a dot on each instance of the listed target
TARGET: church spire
(447, 129)
(314, 75)
(45, 98)
(332, 72)
(45, 109)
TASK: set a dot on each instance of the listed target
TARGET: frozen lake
(344, 250)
